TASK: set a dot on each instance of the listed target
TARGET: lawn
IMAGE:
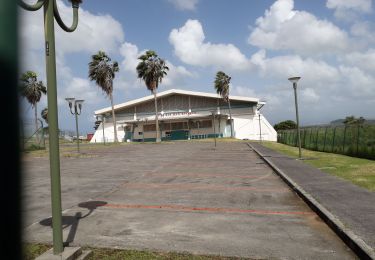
(31, 251)
(359, 171)
(69, 149)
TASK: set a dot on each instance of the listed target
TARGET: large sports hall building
(184, 115)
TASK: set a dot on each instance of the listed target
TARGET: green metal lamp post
(77, 104)
(213, 123)
(50, 14)
(294, 80)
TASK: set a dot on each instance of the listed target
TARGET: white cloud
(184, 4)
(130, 53)
(358, 5)
(348, 9)
(176, 76)
(189, 46)
(282, 28)
(356, 83)
(91, 35)
(82, 88)
(362, 60)
(309, 95)
(363, 33)
(283, 67)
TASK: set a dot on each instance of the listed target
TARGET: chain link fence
(37, 139)
(354, 140)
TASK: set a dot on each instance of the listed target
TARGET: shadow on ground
(73, 221)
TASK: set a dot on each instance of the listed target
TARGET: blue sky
(260, 43)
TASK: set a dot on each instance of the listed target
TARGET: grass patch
(31, 251)
(359, 171)
(115, 254)
(68, 149)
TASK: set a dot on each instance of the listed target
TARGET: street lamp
(294, 80)
(50, 12)
(102, 119)
(259, 107)
(213, 116)
(77, 104)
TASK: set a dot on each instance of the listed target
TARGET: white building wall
(247, 127)
(108, 133)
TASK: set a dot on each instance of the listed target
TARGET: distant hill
(341, 122)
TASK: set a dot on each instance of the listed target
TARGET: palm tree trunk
(113, 117)
(36, 123)
(156, 116)
(231, 121)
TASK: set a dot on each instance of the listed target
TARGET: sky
(330, 44)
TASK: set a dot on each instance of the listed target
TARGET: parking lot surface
(182, 196)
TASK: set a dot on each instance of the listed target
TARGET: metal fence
(32, 139)
(353, 140)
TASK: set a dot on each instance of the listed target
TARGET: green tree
(285, 125)
(44, 114)
(352, 120)
(32, 90)
(151, 69)
(221, 85)
(102, 70)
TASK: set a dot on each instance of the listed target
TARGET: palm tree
(102, 71)
(44, 114)
(152, 69)
(222, 82)
(32, 90)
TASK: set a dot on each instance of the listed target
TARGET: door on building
(179, 135)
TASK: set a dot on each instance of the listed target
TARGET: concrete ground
(183, 196)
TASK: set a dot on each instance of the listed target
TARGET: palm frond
(151, 69)
(31, 88)
(102, 71)
(221, 85)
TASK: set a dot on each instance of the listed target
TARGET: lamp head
(70, 101)
(79, 103)
(294, 79)
(75, 3)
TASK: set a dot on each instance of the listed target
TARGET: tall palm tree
(102, 70)
(152, 69)
(44, 114)
(32, 90)
(221, 83)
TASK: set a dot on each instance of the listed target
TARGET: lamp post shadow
(73, 221)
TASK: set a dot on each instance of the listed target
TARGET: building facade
(184, 115)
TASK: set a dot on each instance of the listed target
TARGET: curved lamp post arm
(75, 6)
(33, 7)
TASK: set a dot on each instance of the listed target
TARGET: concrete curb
(353, 241)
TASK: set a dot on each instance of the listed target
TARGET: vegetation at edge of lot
(359, 171)
(285, 125)
(68, 149)
(31, 251)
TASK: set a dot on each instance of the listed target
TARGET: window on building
(166, 126)
(177, 125)
(206, 124)
(149, 128)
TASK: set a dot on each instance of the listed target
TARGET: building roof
(171, 92)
